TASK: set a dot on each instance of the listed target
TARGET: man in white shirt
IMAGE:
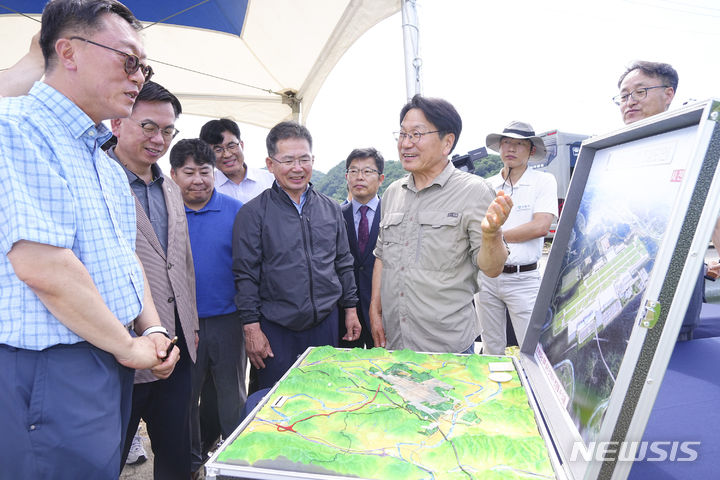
(236, 179)
(233, 177)
(535, 206)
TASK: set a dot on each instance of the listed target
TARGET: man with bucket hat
(534, 196)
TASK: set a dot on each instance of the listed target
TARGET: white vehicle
(562, 153)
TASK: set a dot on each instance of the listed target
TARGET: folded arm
(64, 286)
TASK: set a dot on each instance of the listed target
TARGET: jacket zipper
(307, 233)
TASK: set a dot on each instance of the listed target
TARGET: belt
(519, 268)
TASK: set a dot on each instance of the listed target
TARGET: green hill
(333, 183)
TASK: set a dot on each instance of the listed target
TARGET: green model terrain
(628, 261)
(390, 415)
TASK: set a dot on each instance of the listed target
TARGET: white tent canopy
(270, 72)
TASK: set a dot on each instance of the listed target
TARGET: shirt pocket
(391, 237)
(441, 246)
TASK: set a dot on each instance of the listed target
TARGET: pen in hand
(169, 348)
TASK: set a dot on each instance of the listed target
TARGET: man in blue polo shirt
(221, 352)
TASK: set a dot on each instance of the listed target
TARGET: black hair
(664, 71)
(366, 153)
(439, 112)
(61, 17)
(212, 131)
(283, 131)
(199, 150)
(154, 92)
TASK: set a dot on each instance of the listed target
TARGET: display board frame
(655, 328)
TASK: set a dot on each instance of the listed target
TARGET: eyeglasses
(132, 62)
(354, 172)
(637, 94)
(150, 129)
(413, 137)
(221, 149)
(303, 161)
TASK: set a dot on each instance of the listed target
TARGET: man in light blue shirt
(71, 286)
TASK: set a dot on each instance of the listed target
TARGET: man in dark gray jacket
(292, 263)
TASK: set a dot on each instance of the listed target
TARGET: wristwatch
(156, 329)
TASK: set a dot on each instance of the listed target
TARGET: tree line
(333, 182)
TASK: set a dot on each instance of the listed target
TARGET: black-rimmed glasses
(150, 129)
(637, 94)
(132, 62)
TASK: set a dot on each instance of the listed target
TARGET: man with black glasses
(236, 179)
(163, 246)
(364, 175)
(71, 286)
(646, 89)
(233, 176)
(292, 264)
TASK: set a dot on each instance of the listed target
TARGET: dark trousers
(209, 420)
(165, 407)
(63, 412)
(288, 344)
(221, 356)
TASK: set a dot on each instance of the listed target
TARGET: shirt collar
(440, 180)
(280, 190)
(220, 178)
(78, 122)
(251, 174)
(372, 204)
(156, 172)
(213, 205)
(524, 179)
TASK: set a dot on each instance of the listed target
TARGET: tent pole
(411, 36)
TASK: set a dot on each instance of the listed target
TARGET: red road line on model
(290, 428)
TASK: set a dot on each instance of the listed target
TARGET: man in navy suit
(364, 174)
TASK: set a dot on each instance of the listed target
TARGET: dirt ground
(143, 471)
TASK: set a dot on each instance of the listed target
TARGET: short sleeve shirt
(535, 192)
(428, 243)
(59, 188)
